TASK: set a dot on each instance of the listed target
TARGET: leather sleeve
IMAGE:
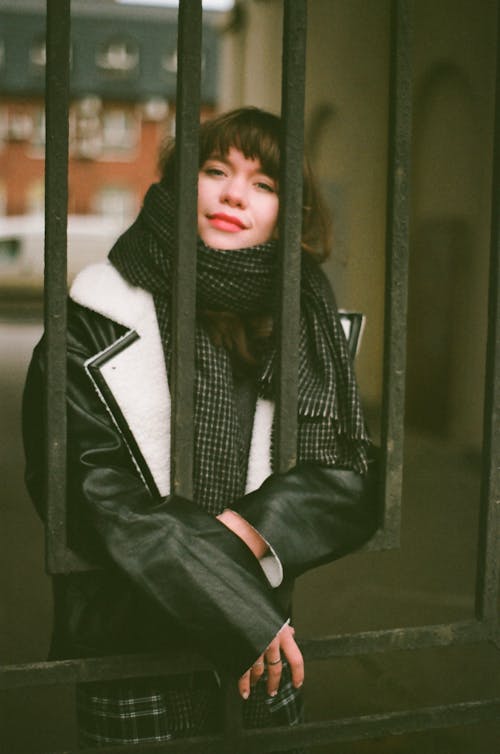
(199, 573)
(312, 514)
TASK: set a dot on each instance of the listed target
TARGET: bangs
(257, 135)
(254, 133)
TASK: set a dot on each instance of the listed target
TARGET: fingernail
(299, 685)
(245, 695)
(273, 693)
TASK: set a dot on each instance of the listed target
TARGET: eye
(211, 170)
(268, 186)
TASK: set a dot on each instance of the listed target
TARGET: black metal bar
(397, 256)
(184, 287)
(343, 645)
(290, 227)
(233, 716)
(364, 727)
(56, 202)
(488, 570)
(394, 639)
(61, 672)
(374, 726)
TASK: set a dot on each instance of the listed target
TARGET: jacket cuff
(269, 562)
(313, 514)
(272, 567)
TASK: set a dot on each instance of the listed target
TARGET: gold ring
(274, 662)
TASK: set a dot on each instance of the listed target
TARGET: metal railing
(60, 559)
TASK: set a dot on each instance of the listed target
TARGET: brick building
(123, 79)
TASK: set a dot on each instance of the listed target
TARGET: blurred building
(123, 86)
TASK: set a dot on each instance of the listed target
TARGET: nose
(234, 192)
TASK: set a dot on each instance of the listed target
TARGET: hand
(283, 644)
(244, 531)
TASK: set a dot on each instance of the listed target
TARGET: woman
(213, 573)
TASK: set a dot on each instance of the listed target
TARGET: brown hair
(257, 134)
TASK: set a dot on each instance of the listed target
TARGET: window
(38, 54)
(35, 197)
(118, 56)
(21, 126)
(155, 109)
(116, 201)
(4, 126)
(100, 132)
(120, 130)
(38, 132)
(169, 61)
(86, 129)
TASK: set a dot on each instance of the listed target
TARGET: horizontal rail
(317, 733)
(375, 726)
(395, 639)
(127, 666)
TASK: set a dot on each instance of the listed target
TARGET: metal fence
(60, 558)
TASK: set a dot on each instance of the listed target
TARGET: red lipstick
(226, 222)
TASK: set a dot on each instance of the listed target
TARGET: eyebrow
(217, 157)
(227, 161)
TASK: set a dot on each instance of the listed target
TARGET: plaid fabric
(155, 710)
(136, 711)
(331, 425)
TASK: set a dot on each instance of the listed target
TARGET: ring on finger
(274, 662)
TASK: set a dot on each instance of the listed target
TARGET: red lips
(226, 222)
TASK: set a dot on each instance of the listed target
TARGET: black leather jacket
(170, 573)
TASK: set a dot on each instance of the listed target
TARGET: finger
(274, 671)
(257, 670)
(294, 657)
(274, 667)
(244, 685)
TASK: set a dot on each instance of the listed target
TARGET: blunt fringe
(257, 134)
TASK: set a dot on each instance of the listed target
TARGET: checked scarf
(331, 427)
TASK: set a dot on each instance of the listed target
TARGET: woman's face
(237, 202)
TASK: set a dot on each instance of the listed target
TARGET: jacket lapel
(131, 379)
(130, 375)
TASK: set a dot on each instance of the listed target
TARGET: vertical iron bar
(290, 228)
(233, 716)
(488, 570)
(56, 202)
(397, 256)
(184, 284)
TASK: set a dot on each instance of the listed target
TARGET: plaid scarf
(331, 426)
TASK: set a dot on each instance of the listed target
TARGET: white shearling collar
(100, 287)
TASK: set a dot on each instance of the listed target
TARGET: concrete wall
(346, 132)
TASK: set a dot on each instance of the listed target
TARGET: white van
(90, 237)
